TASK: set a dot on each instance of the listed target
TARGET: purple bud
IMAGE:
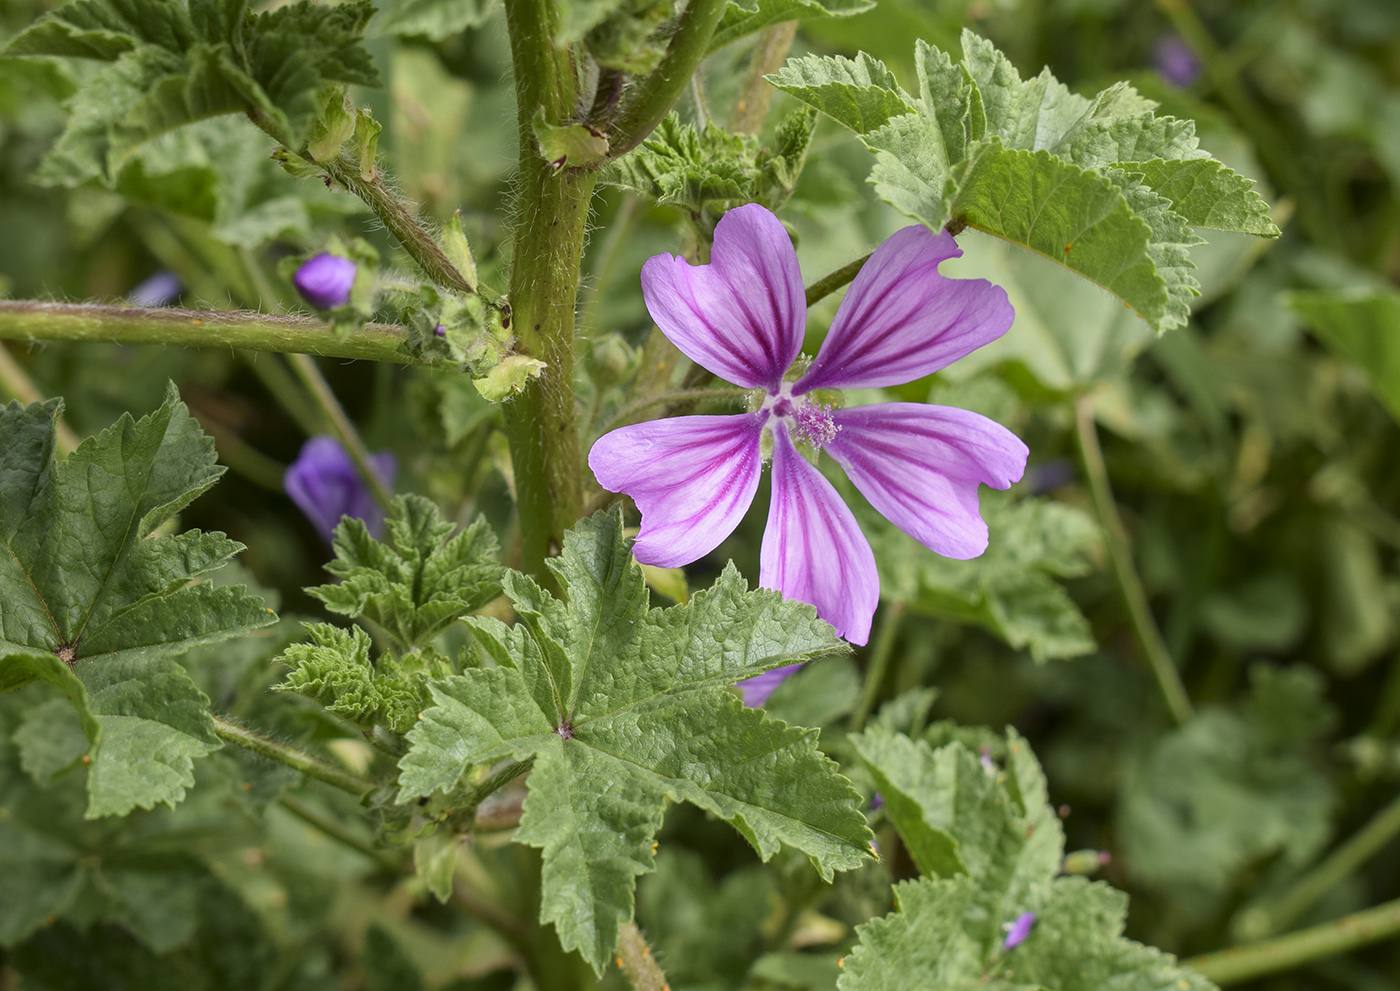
(161, 289)
(877, 801)
(440, 330)
(322, 481)
(984, 754)
(757, 689)
(1016, 932)
(325, 281)
(1176, 61)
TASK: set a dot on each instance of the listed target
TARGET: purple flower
(325, 281)
(322, 481)
(757, 689)
(1176, 60)
(742, 317)
(1016, 932)
(160, 289)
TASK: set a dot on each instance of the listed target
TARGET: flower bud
(325, 281)
(1016, 932)
(609, 359)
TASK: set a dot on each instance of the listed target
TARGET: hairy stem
(1244, 963)
(343, 429)
(336, 830)
(31, 320)
(298, 760)
(828, 284)
(17, 384)
(1120, 554)
(635, 958)
(754, 98)
(653, 96)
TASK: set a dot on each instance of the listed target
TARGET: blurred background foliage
(1253, 455)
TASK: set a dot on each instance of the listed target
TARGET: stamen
(815, 424)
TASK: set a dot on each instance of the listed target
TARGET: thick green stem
(828, 284)
(1244, 963)
(31, 320)
(635, 958)
(298, 760)
(344, 430)
(654, 96)
(1340, 863)
(1120, 555)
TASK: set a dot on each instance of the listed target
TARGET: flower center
(810, 422)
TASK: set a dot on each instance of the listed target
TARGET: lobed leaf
(625, 708)
(744, 17)
(98, 605)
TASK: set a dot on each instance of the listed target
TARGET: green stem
(1339, 864)
(609, 253)
(32, 320)
(1120, 554)
(768, 56)
(828, 284)
(336, 830)
(343, 429)
(244, 458)
(298, 760)
(635, 958)
(17, 384)
(625, 414)
(272, 372)
(651, 98)
(879, 663)
(1244, 963)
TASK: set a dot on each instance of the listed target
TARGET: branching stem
(1120, 555)
(298, 760)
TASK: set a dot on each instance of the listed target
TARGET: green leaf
(625, 708)
(436, 20)
(995, 844)
(1360, 327)
(99, 606)
(1011, 589)
(172, 65)
(1099, 185)
(744, 17)
(335, 670)
(568, 144)
(418, 582)
(858, 93)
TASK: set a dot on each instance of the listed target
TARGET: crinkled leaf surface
(1099, 185)
(744, 17)
(1011, 589)
(992, 845)
(418, 582)
(334, 668)
(626, 708)
(436, 20)
(98, 606)
(173, 63)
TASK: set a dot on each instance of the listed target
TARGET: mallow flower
(325, 281)
(324, 484)
(742, 317)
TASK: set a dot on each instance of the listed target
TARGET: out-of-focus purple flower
(742, 316)
(1016, 932)
(439, 330)
(1176, 60)
(757, 689)
(877, 801)
(325, 281)
(161, 289)
(322, 481)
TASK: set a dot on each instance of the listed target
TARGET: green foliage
(1359, 327)
(436, 20)
(334, 669)
(1011, 589)
(168, 64)
(626, 708)
(990, 846)
(1231, 788)
(98, 606)
(417, 583)
(743, 17)
(1102, 186)
(689, 168)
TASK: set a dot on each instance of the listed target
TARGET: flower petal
(813, 549)
(920, 466)
(693, 478)
(757, 689)
(742, 315)
(901, 320)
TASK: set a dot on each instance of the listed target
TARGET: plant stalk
(18, 385)
(878, 664)
(635, 958)
(754, 98)
(336, 830)
(1244, 963)
(828, 284)
(32, 320)
(1120, 555)
(298, 760)
(343, 429)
